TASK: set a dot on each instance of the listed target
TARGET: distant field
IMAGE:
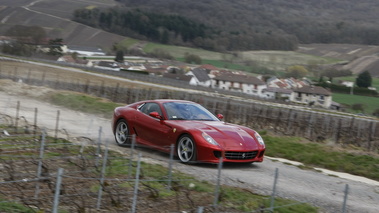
(128, 43)
(280, 60)
(276, 60)
(370, 104)
(179, 52)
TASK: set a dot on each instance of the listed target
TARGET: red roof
(208, 67)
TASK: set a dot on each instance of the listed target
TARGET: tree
(17, 48)
(74, 55)
(296, 71)
(119, 56)
(55, 47)
(164, 37)
(191, 58)
(364, 79)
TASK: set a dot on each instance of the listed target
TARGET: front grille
(240, 155)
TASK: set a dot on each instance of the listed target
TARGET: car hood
(229, 136)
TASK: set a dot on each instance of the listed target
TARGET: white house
(239, 82)
(199, 77)
(312, 96)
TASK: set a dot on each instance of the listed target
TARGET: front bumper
(212, 155)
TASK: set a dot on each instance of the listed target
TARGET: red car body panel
(161, 133)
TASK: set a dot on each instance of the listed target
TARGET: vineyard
(41, 173)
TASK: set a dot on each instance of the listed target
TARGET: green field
(370, 104)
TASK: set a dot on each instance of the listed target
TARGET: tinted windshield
(187, 111)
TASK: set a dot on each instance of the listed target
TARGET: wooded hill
(241, 25)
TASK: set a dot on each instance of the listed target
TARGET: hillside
(321, 21)
(305, 22)
(272, 17)
(55, 17)
(358, 58)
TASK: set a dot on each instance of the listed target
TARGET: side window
(148, 108)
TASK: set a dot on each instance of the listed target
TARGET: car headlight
(209, 139)
(259, 138)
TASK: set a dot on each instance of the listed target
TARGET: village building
(200, 77)
(239, 82)
(312, 96)
(276, 93)
(108, 65)
(287, 83)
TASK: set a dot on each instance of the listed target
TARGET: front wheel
(186, 149)
(122, 133)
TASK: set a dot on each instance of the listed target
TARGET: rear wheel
(186, 149)
(122, 133)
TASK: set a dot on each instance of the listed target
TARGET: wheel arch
(115, 122)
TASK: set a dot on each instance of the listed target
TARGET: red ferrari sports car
(198, 135)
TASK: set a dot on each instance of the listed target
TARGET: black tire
(122, 134)
(186, 149)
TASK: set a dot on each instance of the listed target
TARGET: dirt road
(317, 188)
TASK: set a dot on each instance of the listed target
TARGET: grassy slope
(319, 155)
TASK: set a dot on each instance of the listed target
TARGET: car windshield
(188, 111)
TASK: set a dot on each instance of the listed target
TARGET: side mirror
(156, 115)
(220, 116)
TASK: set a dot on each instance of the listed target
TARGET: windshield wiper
(178, 119)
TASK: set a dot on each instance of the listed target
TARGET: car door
(150, 130)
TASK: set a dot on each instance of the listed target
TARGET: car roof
(160, 101)
(169, 100)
